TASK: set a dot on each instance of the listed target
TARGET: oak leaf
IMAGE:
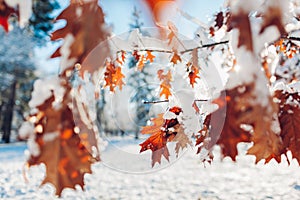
(175, 58)
(85, 24)
(165, 85)
(113, 76)
(193, 75)
(156, 127)
(163, 131)
(289, 120)
(273, 17)
(219, 20)
(241, 22)
(181, 138)
(61, 148)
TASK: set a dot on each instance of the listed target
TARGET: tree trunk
(8, 114)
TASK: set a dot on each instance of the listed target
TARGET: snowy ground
(186, 178)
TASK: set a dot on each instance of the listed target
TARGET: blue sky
(118, 13)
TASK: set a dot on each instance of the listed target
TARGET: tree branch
(182, 52)
(291, 38)
(166, 101)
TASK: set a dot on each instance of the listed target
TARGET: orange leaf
(165, 85)
(193, 75)
(113, 76)
(175, 59)
(150, 57)
(156, 127)
(141, 63)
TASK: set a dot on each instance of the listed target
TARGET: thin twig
(291, 38)
(166, 101)
(206, 46)
(154, 102)
(185, 51)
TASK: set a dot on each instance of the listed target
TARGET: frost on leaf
(245, 121)
(241, 22)
(289, 120)
(163, 131)
(165, 84)
(5, 13)
(227, 134)
(273, 17)
(61, 147)
(85, 23)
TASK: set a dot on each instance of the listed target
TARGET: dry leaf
(242, 23)
(165, 84)
(289, 119)
(156, 127)
(113, 76)
(85, 23)
(175, 58)
(61, 148)
(273, 17)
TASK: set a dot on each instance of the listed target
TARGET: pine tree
(139, 81)
(42, 17)
(17, 76)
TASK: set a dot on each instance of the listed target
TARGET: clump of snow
(185, 96)
(48, 137)
(44, 88)
(289, 88)
(26, 130)
(65, 52)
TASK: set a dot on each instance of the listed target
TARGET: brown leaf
(245, 121)
(181, 138)
(162, 131)
(85, 22)
(156, 155)
(241, 22)
(223, 128)
(193, 75)
(175, 58)
(219, 20)
(62, 150)
(273, 17)
(289, 119)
